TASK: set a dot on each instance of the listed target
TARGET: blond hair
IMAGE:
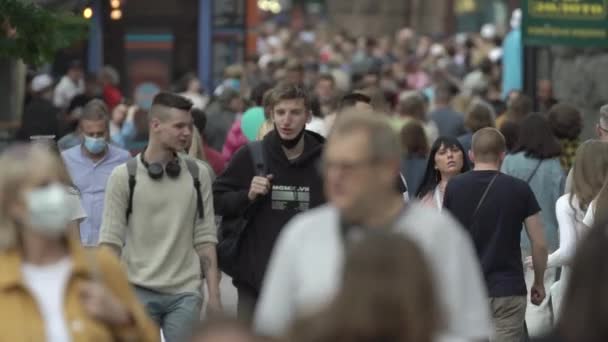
(18, 162)
(384, 142)
(196, 146)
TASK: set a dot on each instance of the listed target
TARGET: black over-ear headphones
(156, 170)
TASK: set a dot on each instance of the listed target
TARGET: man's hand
(214, 306)
(537, 293)
(259, 186)
(100, 304)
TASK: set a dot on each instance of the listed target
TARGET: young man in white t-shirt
(361, 162)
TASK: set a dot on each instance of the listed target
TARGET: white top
(65, 91)
(48, 285)
(305, 270)
(569, 220)
(317, 125)
(589, 218)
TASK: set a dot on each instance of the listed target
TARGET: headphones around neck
(156, 170)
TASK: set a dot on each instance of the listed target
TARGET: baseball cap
(41, 82)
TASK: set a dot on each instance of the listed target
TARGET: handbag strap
(534, 172)
(485, 193)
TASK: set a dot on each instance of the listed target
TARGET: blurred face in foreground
(354, 179)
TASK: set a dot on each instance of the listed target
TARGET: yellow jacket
(21, 320)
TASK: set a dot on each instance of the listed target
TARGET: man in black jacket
(290, 185)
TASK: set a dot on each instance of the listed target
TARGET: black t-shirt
(496, 230)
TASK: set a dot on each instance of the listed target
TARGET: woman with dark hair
(447, 159)
(416, 150)
(535, 160)
(567, 124)
(584, 311)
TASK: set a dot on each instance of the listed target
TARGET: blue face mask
(95, 145)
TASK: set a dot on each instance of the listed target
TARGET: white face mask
(49, 209)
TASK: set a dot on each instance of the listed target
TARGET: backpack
(231, 229)
(192, 168)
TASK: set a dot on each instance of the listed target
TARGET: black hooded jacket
(296, 186)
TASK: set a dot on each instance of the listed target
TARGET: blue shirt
(90, 178)
(547, 185)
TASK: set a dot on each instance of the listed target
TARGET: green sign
(581, 23)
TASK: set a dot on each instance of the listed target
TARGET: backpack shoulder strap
(193, 169)
(256, 148)
(132, 171)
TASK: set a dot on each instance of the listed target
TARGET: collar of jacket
(11, 262)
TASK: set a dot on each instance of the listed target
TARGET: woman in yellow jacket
(51, 289)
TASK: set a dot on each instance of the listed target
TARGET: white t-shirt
(305, 269)
(589, 218)
(317, 125)
(48, 286)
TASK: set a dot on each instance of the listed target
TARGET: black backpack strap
(193, 169)
(534, 171)
(132, 171)
(256, 148)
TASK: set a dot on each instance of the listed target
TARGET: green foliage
(38, 33)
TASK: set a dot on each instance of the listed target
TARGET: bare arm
(536, 233)
(208, 258)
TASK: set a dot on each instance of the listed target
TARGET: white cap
(516, 19)
(437, 50)
(488, 31)
(495, 54)
(41, 82)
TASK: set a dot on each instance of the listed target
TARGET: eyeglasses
(345, 166)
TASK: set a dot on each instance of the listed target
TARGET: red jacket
(214, 158)
(111, 96)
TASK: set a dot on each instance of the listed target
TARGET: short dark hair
(327, 77)
(488, 144)
(566, 121)
(164, 100)
(351, 99)
(536, 139)
(285, 91)
(519, 107)
(412, 104)
(443, 93)
(258, 92)
(479, 115)
(172, 100)
(510, 131)
(413, 139)
(200, 119)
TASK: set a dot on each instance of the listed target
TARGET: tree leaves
(34, 34)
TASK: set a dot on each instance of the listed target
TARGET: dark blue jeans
(175, 314)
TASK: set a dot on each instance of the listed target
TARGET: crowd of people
(354, 189)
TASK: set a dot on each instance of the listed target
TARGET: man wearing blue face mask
(90, 164)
